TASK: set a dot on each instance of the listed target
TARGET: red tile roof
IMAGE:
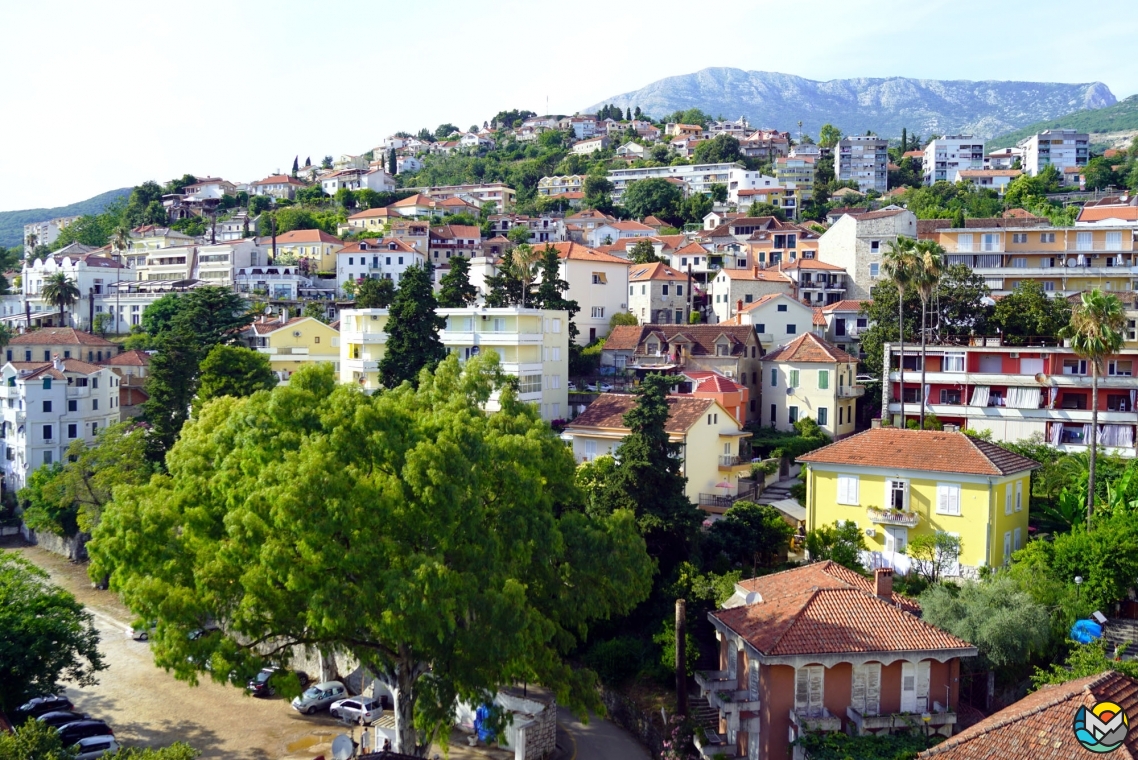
(700, 338)
(1039, 726)
(609, 409)
(713, 382)
(307, 236)
(845, 305)
(921, 450)
(59, 336)
(135, 358)
(578, 252)
(801, 263)
(623, 338)
(808, 347)
(654, 271)
(1100, 213)
(823, 608)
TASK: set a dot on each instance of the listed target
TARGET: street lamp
(1078, 582)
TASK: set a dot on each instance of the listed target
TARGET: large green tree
(375, 293)
(171, 383)
(751, 534)
(441, 547)
(412, 330)
(455, 288)
(720, 149)
(1095, 332)
(48, 636)
(550, 292)
(654, 196)
(233, 371)
(87, 480)
(1029, 312)
(649, 482)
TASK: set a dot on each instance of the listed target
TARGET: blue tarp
(481, 716)
(1086, 631)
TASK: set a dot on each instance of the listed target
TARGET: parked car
(599, 387)
(572, 385)
(40, 705)
(91, 747)
(141, 631)
(261, 684)
(59, 718)
(81, 729)
(350, 710)
(318, 697)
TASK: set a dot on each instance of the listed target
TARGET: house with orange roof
(415, 205)
(659, 294)
(988, 179)
(821, 648)
(733, 289)
(726, 392)
(811, 377)
(277, 186)
(446, 241)
(598, 282)
(845, 324)
(816, 282)
(370, 220)
(897, 484)
(133, 365)
(293, 343)
(315, 246)
(383, 258)
(778, 318)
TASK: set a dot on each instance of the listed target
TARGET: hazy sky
(99, 95)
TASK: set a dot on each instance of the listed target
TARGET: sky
(101, 95)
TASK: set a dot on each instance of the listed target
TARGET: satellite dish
(268, 309)
(342, 747)
(1041, 379)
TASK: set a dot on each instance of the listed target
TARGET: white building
(857, 244)
(407, 165)
(697, 178)
(863, 159)
(387, 259)
(47, 406)
(532, 345)
(1004, 158)
(45, 233)
(92, 274)
(945, 156)
(598, 283)
(1062, 148)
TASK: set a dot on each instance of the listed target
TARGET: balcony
(710, 681)
(711, 502)
(894, 517)
(851, 391)
(816, 720)
(872, 724)
(732, 701)
(733, 463)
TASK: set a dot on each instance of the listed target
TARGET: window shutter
(753, 672)
(857, 689)
(872, 689)
(843, 489)
(1019, 496)
(1008, 499)
(816, 673)
(923, 685)
(801, 689)
(942, 498)
(908, 688)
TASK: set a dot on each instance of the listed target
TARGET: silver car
(92, 747)
(350, 710)
(319, 696)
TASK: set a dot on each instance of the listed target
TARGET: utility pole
(681, 658)
(688, 315)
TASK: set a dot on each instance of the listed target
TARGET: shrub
(617, 660)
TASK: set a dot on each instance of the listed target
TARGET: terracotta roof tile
(808, 347)
(801, 263)
(578, 252)
(1099, 213)
(921, 450)
(1039, 725)
(845, 305)
(63, 336)
(623, 338)
(713, 382)
(307, 236)
(135, 358)
(654, 271)
(700, 337)
(609, 409)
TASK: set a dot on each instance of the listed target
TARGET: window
(47, 457)
(1007, 547)
(848, 486)
(823, 380)
(875, 246)
(1019, 237)
(1008, 499)
(793, 382)
(948, 498)
(1019, 262)
(47, 431)
(953, 363)
(1049, 286)
(1017, 539)
(1047, 237)
(897, 494)
(643, 289)
(793, 414)
(598, 312)
(95, 404)
(679, 290)
(808, 690)
(47, 406)
(774, 414)
(865, 688)
(915, 686)
(949, 396)
(72, 430)
(72, 405)
(791, 329)
(1116, 367)
(823, 415)
(875, 270)
(1019, 496)
(530, 384)
(556, 325)
(760, 328)
(599, 278)
(47, 383)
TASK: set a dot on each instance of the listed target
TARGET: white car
(350, 710)
(92, 747)
(601, 387)
(142, 632)
(319, 696)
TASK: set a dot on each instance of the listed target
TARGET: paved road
(599, 740)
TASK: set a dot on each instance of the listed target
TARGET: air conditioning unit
(296, 333)
(871, 532)
(1014, 355)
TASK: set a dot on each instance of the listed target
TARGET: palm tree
(31, 241)
(1095, 332)
(523, 258)
(120, 238)
(926, 277)
(899, 263)
(60, 291)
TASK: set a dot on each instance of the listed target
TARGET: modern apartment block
(1062, 148)
(863, 159)
(697, 178)
(798, 170)
(1016, 392)
(45, 233)
(532, 345)
(1066, 260)
(945, 156)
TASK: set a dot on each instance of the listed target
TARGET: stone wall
(624, 712)
(73, 547)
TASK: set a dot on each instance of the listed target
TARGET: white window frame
(809, 690)
(849, 487)
(865, 688)
(1007, 498)
(1019, 496)
(889, 492)
(957, 361)
(948, 499)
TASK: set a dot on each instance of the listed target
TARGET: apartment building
(1062, 148)
(293, 343)
(1004, 158)
(696, 178)
(945, 156)
(47, 406)
(863, 159)
(277, 186)
(845, 324)
(988, 179)
(545, 228)
(857, 242)
(560, 184)
(796, 171)
(765, 145)
(1065, 260)
(532, 345)
(1016, 392)
(386, 259)
(816, 282)
(449, 240)
(316, 247)
(44, 233)
(501, 195)
(657, 293)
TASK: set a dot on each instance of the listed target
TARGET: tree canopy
(455, 288)
(653, 196)
(375, 293)
(412, 330)
(233, 371)
(440, 546)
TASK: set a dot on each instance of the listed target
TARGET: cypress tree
(391, 164)
(455, 289)
(412, 330)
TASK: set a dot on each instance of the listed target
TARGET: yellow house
(294, 343)
(712, 444)
(315, 245)
(897, 484)
(811, 377)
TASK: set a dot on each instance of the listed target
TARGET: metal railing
(749, 493)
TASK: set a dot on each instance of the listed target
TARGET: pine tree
(412, 330)
(392, 166)
(504, 288)
(171, 384)
(904, 141)
(455, 289)
(638, 113)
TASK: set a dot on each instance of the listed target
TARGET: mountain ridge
(1119, 117)
(882, 104)
(12, 222)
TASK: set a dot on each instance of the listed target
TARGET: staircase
(777, 491)
(1119, 632)
(703, 713)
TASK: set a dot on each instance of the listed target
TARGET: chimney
(739, 306)
(875, 423)
(883, 583)
(756, 270)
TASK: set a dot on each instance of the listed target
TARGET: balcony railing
(815, 720)
(872, 724)
(851, 391)
(894, 517)
(733, 460)
(1099, 245)
(715, 501)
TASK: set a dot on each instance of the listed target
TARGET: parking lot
(147, 707)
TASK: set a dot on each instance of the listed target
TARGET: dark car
(41, 705)
(59, 718)
(261, 684)
(81, 729)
